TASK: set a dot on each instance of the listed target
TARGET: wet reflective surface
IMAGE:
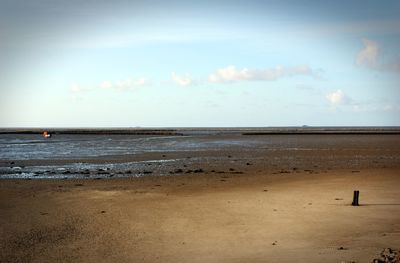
(104, 156)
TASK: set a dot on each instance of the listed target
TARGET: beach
(298, 217)
(227, 203)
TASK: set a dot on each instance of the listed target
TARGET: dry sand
(301, 216)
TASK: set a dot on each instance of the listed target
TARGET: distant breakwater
(325, 131)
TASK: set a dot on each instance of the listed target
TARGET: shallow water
(266, 151)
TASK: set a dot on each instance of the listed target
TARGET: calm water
(27, 147)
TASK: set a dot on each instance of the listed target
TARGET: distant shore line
(205, 131)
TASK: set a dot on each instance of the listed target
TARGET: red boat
(46, 134)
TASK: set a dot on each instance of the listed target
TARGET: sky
(101, 63)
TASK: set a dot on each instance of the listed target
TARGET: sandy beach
(290, 217)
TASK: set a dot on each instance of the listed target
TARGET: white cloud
(232, 74)
(128, 84)
(183, 80)
(338, 97)
(368, 56)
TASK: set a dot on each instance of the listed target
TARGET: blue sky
(180, 64)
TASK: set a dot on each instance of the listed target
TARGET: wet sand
(291, 216)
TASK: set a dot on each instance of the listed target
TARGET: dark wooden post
(355, 198)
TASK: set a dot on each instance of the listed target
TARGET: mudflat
(296, 216)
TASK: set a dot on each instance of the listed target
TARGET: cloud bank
(231, 74)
